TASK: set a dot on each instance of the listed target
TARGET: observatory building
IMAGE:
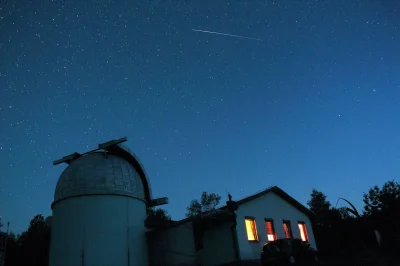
(99, 209)
(100, 219)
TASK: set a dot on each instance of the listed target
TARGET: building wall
(156, 241)
(106, 230)
(174, 246)
(273, 207)
(218, 246)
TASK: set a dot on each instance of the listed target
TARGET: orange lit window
(269, 224)
(251, 229)
(288, 229)
(303, 231)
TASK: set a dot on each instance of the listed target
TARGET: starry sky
(313, 104)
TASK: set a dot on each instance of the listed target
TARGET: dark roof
(205, 217)
(281, 194)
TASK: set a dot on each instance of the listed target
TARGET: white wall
(218, 246)
(174, 246)
(103, 227)
(180, 243)
(274, 207)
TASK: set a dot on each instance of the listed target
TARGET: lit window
(303, 231)
(251, 229)
(288, 229)
(269, 224)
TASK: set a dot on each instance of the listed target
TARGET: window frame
(305, 232)
(273, 228)
(289, 224)
(253, 219)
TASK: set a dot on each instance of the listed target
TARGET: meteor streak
(226, 34)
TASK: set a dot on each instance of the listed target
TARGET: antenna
(337, 202)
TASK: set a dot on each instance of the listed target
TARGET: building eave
(280, 193)
(205, 217)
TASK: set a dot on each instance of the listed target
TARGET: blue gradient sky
(314, 104)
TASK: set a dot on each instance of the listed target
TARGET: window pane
(270, 230)
(251, 230)
(287, 228)
(303, 232)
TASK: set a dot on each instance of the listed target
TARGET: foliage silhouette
(32, 247)
(157, 216)
(378, 200)
(207, 202)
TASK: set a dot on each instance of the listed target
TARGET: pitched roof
(216, 213)
(281, 194)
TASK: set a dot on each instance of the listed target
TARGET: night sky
(314, 104)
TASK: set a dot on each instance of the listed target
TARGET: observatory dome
(99, 173)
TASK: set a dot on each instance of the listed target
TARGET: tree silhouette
(326, 223)
(34, 244)
(207, 202)
(318, 203)
(320, 206)
(381, 199)
(381, 209)
(12, 253)
(157, 216)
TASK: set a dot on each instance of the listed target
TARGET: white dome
(99, 174)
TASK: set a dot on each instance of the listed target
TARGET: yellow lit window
(303, 231)
(251, 229)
